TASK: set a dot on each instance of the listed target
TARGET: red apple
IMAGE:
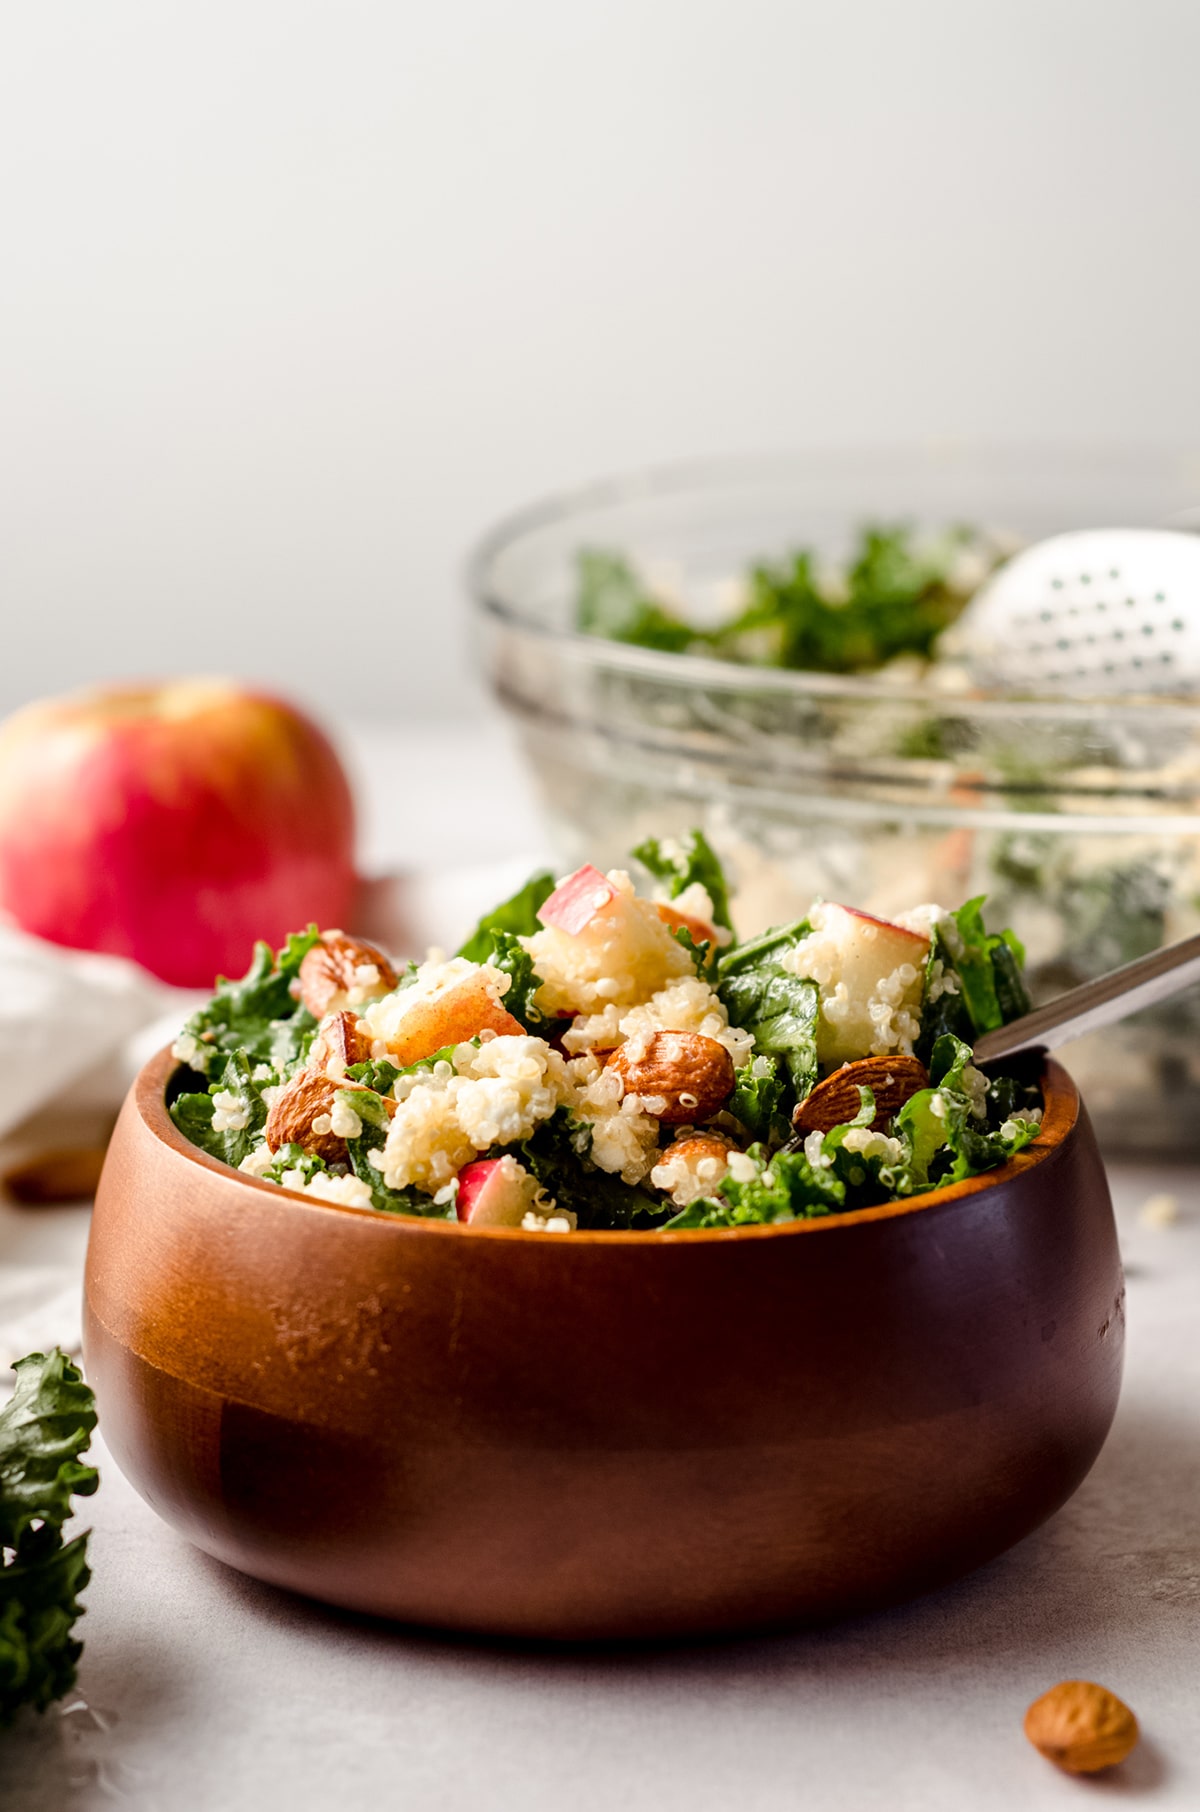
(576, 901)
(173, 824)
(494, 1192)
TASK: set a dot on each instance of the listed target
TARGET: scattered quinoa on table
(595, 1057)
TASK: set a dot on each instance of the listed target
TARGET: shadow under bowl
(606, 1435)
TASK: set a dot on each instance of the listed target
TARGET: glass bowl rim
(676, 478)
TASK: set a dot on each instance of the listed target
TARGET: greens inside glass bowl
(596, 1058)
(890, 600)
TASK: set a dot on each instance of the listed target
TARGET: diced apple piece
(576, 901)
(859, 963)
(495, 1192)
(700, 930)
(459, 1013)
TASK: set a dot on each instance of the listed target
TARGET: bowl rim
(676, 478)
(1061, 1118)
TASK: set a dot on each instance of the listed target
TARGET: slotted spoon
(1098, 612)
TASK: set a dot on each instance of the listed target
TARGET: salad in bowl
(601, 1058)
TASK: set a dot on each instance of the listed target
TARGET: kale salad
(599, 1058)
(890, 601)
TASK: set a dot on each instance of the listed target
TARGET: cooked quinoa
(601, 1057)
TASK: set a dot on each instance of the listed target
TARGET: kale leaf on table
(44, 1428)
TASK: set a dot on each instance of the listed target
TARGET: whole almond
(336, 972)
(307, 1098)
(892, 1081)
(1081, 1727)
(682, 1077)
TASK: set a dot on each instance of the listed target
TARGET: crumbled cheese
(185, 1048)
(742, 1168)
(230, 1112)
(559, 1222)
(262, 1072)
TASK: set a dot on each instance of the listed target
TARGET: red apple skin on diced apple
(868, 950)
(576, 901)
(494, 1192)
(173, 824)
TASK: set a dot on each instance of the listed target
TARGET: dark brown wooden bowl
(607, 1434)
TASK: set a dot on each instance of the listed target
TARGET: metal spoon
(1102, 1002)
(1095, 613)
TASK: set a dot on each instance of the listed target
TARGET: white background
(295, 297)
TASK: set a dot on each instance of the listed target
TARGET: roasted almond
(340, 1041)
(1081, 1727)
(340, 971)
(892, 1081)
(682, 1077)
(300, 1115)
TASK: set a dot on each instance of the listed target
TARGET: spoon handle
(1097, 1003)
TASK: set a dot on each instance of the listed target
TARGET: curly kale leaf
(372, 1112)
(780, 1011)
(510, 956)
(788, 1187)
(977, 979)
(377, 1073)
(257, 1014)
(44, 1428)
(194, 1114)
(684, 861)
(558, 1155)
(517, 916)
(946, 1140)
(897, 594)
(759, 1100)
(613, 603)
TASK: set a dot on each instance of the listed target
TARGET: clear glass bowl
(1080, 821)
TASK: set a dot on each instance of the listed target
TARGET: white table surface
(201, 1690)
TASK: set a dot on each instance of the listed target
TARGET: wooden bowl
(608, 1434)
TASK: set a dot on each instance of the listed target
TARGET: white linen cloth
(73, 1025)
